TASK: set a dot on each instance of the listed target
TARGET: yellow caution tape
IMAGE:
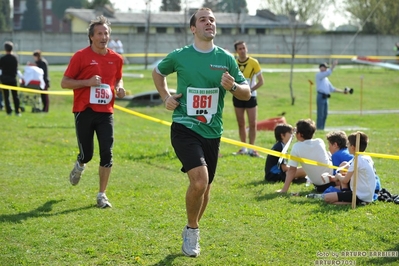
(2, 86)
(223, 139)
(379, 155)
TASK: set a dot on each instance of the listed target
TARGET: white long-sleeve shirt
(323, 84)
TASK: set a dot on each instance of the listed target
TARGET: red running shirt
(83, 65)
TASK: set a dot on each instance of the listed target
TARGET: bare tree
(294, 44)
(170, 5)
(298, 12)
(226, 6)
(310, 11)
(375, 16)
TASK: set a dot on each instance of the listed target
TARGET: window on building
(161, 30)
(140, 29)
(179, 30)
(48, 4)
(49, 20)
(226, 30)
(260, 31)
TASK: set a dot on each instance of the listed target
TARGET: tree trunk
(291, 78)
(292, 66)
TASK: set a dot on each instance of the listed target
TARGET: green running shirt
(198, 80)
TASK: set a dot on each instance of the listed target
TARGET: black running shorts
(193, 150)
(251, 103)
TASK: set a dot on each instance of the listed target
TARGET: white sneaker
(191, 247)
(76, 173)
(315, 196)
(242, 151)
(102, 202)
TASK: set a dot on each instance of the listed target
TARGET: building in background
(50, 22)
(172, 22)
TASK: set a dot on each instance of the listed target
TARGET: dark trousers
(1, 99)
(45, 100)
(6, 96)
(322, 111)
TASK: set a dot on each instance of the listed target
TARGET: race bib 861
(202, 101)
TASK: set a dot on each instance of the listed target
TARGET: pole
(355, 172)
(361, 95)
(310, 98)
(147, 32)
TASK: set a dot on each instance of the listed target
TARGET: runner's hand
(95, 80)
(120, 92)
(227, 81)
(171, 101)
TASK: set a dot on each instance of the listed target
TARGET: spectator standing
(112, 44)
(9, 71)
(396, 49)
(119, 49)
(42, 63)
(324, 89)
(252, 71)
(119, 46)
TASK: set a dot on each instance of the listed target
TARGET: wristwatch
(234, 88)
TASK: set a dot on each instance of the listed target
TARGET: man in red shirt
(95, 76)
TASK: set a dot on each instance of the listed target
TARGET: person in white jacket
(33, 77)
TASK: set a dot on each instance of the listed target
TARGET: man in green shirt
(205, 72)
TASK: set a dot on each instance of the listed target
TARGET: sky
(334, 16)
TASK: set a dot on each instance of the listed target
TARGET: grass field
(46, 221)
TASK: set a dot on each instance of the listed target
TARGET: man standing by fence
(252, 71)
(324, 89)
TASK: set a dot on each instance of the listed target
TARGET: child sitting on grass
(340, 156)
(337, 145)
(308, 148)
(366, 178)
(275, 172)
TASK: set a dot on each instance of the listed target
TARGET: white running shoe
(315, 196)
(76, 173)
(191, 247)
(242, 151)
(102, 202)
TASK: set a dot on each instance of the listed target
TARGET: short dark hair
(338, 137)
(323, 65)
(100, 20)
(37, 53)
(306, 127)
(8, 46)
(363, 140)
(281, 129)
(237, 43)
(193, 18)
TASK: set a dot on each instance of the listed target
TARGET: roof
(172, 19)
